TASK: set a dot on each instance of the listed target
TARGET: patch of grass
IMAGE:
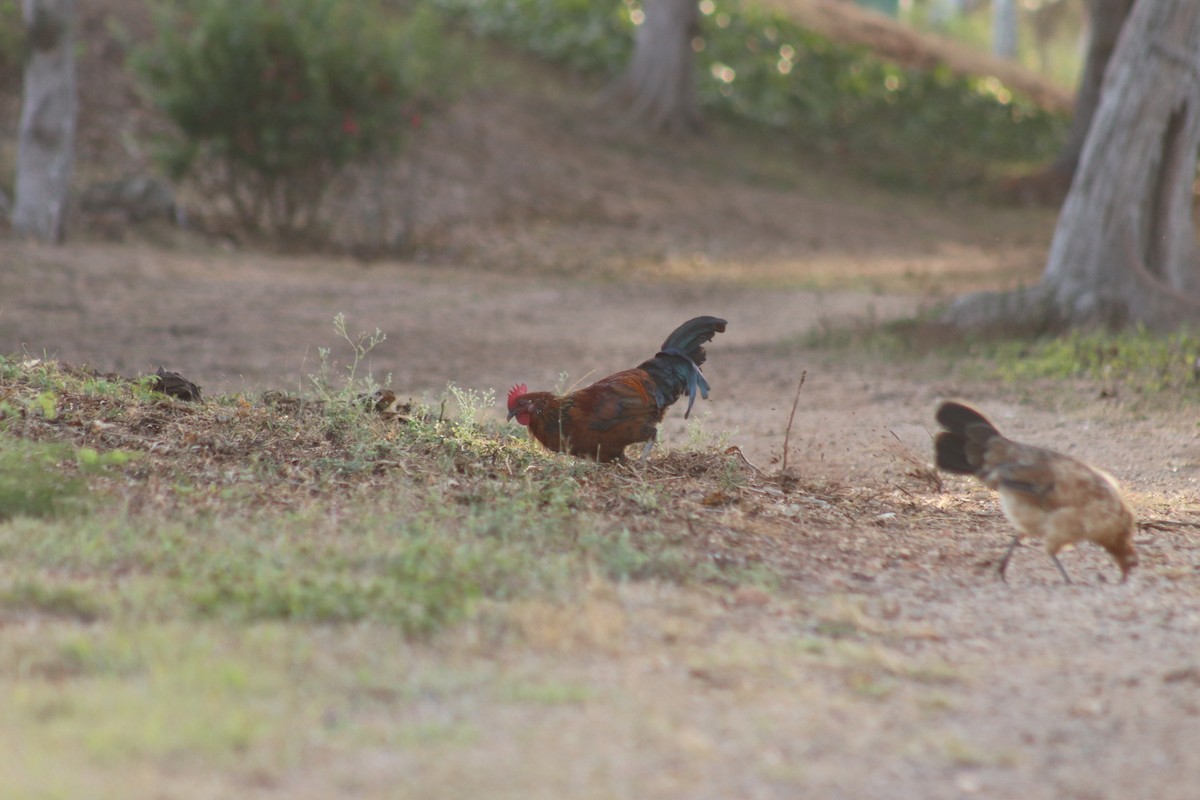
(157, 691)
(69, 602)
(1134, 360)
(34, 481)
(1132, 364)
(546, 693)
(321, 511)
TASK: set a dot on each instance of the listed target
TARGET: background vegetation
(272, 101)
(910, 127)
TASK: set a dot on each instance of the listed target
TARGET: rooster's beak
(512, 414)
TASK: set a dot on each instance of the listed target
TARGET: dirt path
(938, 681)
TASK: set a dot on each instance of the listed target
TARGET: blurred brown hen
(1043, 493)
(601, 420)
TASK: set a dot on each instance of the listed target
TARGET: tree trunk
(1106, 19)
(1125, 248)
(659, 87)
(46, 132)
(1049, 185)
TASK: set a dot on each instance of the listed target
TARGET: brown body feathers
(601, 420)
(1045, 494)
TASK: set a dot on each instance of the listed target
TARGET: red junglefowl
(1043, 493)
(600, 420)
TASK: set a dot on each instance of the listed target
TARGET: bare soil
(592, 245)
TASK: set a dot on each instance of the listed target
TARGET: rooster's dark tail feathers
(676, 367)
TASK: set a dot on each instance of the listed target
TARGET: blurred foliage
(12, 41)
(901, 125)
(46, 479)
(31, 480)
(281, 96)
(581, 34)
(1048, 38)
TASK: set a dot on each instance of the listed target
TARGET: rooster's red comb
(514, 393)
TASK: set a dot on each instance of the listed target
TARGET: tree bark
(1125, 249)
(659, 87)
(1106, 18)
(46, 133)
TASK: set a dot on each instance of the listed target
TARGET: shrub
(272, 99)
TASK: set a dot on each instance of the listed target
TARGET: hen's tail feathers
(676, 367)
(961, 447)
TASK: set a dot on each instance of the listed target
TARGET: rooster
(600, 420)
(1043, 493)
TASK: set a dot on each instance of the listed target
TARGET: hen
(601, 420)
(1043, 493)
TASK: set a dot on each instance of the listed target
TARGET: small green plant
(273, 99)
(700, 439)
(352, 384)
(471, 405)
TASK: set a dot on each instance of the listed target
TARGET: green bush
(273, 99)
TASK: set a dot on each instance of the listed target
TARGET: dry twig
(787, 434)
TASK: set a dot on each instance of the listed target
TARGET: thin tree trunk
(1125, 248)
(46, 134)
(1004, 28)
(1049, 185)
(659, 88)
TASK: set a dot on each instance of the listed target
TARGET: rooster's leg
(646, 450)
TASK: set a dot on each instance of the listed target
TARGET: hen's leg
(1007, 555)
(1058, 564)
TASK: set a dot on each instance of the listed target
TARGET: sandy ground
(979, 689)
(573, 250)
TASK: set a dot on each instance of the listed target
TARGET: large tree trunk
(1125, 248)
(1106, 19)
(659, 88)
(46, 133)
